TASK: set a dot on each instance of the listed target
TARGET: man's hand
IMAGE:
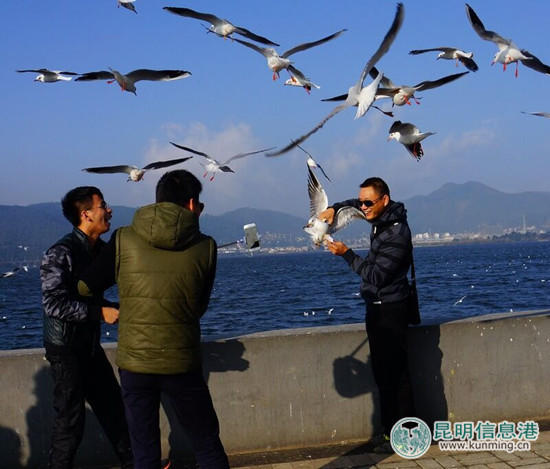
(337, 248)
(110, 315)
(327, 215)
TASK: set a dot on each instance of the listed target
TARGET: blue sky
(230, 104)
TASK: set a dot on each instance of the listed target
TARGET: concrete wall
(305, 387)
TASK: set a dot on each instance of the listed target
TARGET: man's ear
(191, 205)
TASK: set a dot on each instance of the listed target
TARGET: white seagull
(49, 76)
(540, 114)
(278, 62)
(219, 26)
(11, 273)
(128, 4)
(214, 166)
(402, 94)
(312, 163)
(508, 52)
(127, 82)
(134, 173)
(297, 78)
(319, 230)
(451, 53)
(359, 96)
(410, 137)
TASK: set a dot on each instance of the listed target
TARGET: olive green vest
(165, 271)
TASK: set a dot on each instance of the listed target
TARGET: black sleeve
(346, 203)
(100, 274)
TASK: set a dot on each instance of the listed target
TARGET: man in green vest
(164, 268)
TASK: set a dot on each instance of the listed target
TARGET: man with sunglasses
(164, 268)
(385, 289)
(79, 367)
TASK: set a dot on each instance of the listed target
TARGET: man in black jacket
(79, 367)
(385, 288)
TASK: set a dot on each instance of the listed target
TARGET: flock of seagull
(360, 95)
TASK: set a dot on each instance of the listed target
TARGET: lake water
(267, 292)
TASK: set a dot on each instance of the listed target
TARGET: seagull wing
(435, 49)
(385, 83)
(101, 75)
(540, 114)
(403, 128)
(345, 216)
(383, 48)
(187, 12)
(304, 137)
(242, 155)
(261, 50)
(157, 75)
(40, 70)
(250, 35)
(316, 164)
(342, 97)
(318, 200)
(427, 85)
(110, 169)
(164, 164)
(479, 28)
(309, 45)
(469, 63)
(181, 147)
(534, 63)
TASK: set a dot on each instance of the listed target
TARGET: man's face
(99, 216)
(368, 194)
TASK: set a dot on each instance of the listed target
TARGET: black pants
(79, 377)
(387, 333)
(192, 404)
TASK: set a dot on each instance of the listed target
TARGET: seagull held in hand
(278, 62)
(319, 230)
(312, 163)
(219, 26)
(134, 173)
(359, 96)
(127, 82)
(451, 53)
(213, 166)
(410, 137)
(508, 52)
(49, 76)
(128, 4)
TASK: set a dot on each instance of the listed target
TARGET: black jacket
(384, 271)
(70, 320)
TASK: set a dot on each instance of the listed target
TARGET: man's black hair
(378, 184)
(178, 187)
(76, 200)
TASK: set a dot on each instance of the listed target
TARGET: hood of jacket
(166, 225)
(395, 211)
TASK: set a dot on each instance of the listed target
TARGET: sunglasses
(369, 203)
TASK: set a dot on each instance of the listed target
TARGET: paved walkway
(537, 458)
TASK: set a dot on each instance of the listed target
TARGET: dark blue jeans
(192, 404)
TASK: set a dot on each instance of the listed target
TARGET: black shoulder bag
(413, 311)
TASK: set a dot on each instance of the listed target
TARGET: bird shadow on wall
(217, 357)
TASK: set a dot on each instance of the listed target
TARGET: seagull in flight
(410, 137)
(402, 94)
(128, 4)
(127, 82)
(220, 26)
(297, 78)
(11, 273)
(451, 53)
(49, 76)
(214, 166)
(278, 62)
(134, 173)
(508, 52)
(460, 300)
(359, 96)
(540, 114)
(312, 163)
(319, 230)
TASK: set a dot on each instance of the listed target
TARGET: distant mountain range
(454, 208)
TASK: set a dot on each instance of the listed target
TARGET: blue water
(267, 292)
